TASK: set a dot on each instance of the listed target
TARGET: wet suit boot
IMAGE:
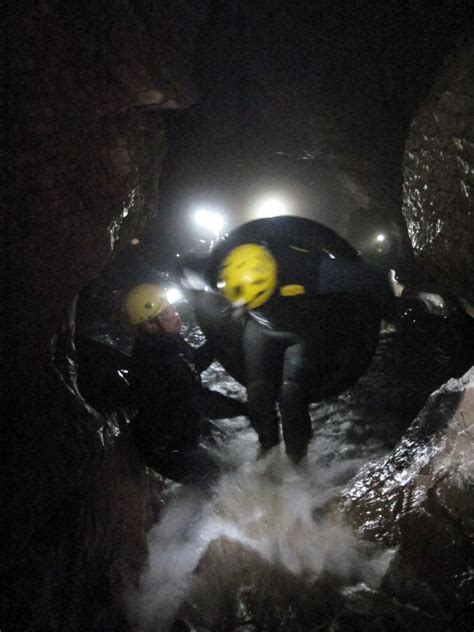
(296, 421)
(263, 415)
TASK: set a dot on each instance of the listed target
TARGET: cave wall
(74, 145)
(83, 89)
(417, 500)
(439, 176)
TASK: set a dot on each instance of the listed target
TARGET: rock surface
(83, 142)
(81, 158)
(418, 500)
(439, 177)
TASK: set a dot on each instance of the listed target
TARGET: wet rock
(419, 499)
(74, 145)
(82, 148)
(248, 590)
(78, 508)
(439, 177)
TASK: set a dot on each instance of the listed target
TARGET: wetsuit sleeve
(153, 380)
(339, 276)
(334, 276)
(192, 271)
(218, 406)
(203, 356)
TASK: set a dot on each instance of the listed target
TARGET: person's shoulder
(155, 342)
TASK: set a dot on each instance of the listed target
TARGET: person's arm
(203, 356)
(151, 377)
(218, 406)
(340, 276)
(192, 270)
(318, 273)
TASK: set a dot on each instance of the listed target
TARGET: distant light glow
(380, 238)
(173, 295)
(271, 207)
(213, 221)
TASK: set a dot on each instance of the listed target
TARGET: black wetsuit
(171, 401)
(295, 339)
(326, 301)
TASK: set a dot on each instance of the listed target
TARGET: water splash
(269, 507)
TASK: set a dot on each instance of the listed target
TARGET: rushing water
(265, 529)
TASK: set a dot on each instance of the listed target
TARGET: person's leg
(175, 454)
(195, 465)
(294, 400)
(262, 373)
(218, 406)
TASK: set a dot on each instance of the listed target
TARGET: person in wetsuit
(165, 382)
(306, 300)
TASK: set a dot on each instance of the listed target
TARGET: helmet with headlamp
(248, 276)
(144, 303)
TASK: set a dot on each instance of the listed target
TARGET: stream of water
(276, 512)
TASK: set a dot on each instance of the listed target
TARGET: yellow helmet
(144, 302)
(248, 276)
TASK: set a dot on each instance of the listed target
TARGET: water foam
(268, 506)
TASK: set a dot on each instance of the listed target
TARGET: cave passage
(266, 518)
(267, 523)
(137, 132)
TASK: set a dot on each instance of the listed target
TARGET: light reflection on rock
(439, 177)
